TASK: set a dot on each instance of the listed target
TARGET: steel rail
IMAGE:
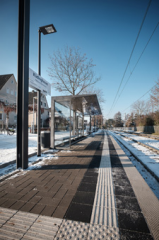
(136, 157)
(156, 150)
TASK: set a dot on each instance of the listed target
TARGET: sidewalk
(90, 192)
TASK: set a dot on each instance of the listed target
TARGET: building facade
(32, 120)
(8, 93)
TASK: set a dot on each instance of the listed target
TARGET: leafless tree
(97, 91)
(139, 107)
(129, 120)
(71, 71)
(150, 105)
(155, 95)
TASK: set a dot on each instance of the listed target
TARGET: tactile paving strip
(103, 232)
(72, 230)
(78, 230)
(104, 211)
(104, 216)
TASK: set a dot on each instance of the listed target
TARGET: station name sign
(39, 83)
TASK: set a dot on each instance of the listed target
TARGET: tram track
(146, 135)
(134, 155)
(153, 149)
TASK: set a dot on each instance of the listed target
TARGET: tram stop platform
(92, 191)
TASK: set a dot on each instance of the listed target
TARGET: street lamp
(33, 112)
(48, 29)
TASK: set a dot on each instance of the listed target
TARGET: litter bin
(45, 139)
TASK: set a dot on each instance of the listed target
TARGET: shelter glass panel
(63, 123)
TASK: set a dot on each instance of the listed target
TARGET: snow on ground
(98, 132)
(45, 156)
(8, 151)
(146, 156)
(151, 142)
(8, 145)
(150, 180)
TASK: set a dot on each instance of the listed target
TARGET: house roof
(4, 79)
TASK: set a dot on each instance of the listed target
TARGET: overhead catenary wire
(131, 54)
(139, 98)
(137, 62)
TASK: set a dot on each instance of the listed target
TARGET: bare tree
(71, 71)
(150, 105)
(155, 95)
(129, 120)
(98, 92)
(139, 107)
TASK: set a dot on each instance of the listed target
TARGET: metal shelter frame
(86, 104)
(23, 83)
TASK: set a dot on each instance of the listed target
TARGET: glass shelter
(67, 117)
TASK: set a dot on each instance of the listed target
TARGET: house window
(0, 116)
(7, 90)
(12, 92)
(41, 103)
(48, 113)
(15, 93)
(44, 104)
(12, 81)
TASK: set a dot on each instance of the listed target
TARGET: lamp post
(48, 29)
(33, 112)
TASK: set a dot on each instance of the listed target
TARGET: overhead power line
(137, 61)
(131, 54)
(139, 98)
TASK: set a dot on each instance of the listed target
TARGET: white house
(8, 96)
(8, 93)
(32, 120)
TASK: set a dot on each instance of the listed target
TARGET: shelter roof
(87, 104)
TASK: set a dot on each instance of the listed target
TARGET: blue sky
(105, 30)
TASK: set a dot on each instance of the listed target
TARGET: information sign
(39, 83)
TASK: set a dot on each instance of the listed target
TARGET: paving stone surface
(81, 206)
(49, 190)
(20, 225)
(84, 194)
